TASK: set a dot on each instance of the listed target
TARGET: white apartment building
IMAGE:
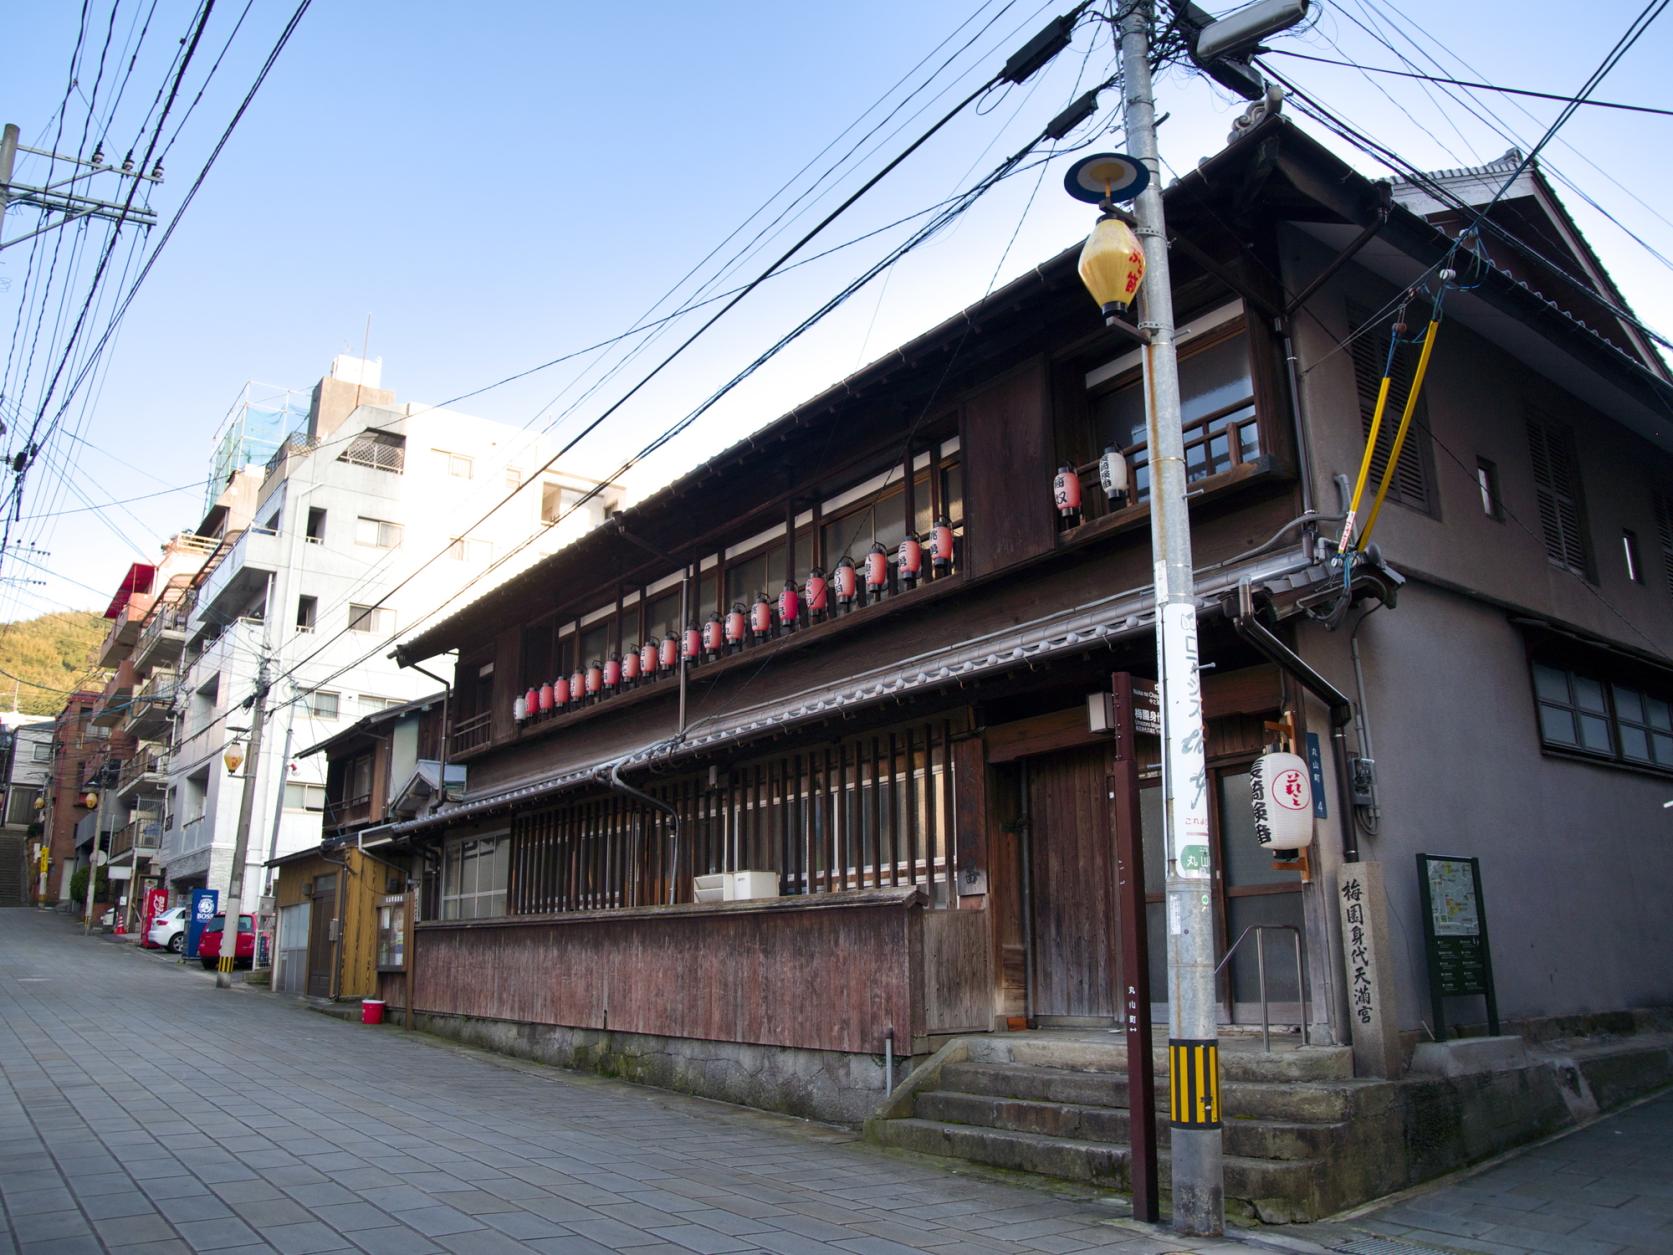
(361, 526)
(28, 766)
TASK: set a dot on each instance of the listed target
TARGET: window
(1629, 551)
(306, 610)
(458, 464)
(357, 780)
(316, 526)
(463, 549)
(20, 805)
(537, 654)
(1663, 504)
(371, 618)
(1581, 712)
(392, 933)
(554, 501)
(1487, 480)
(323, 704)
(304, 797)
(1413, 482)
(1562, 513)
(475, 872)
(662, 615)
(372, 705)
(1217, 408)
(41, 752)
(377, 533)
(595, 642)
(380, 450)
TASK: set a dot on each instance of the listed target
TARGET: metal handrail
(1260, 931)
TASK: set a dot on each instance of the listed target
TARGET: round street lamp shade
(40, 803)
(1112, 265)
(90, 800)
(234, 757)
(1106, 176)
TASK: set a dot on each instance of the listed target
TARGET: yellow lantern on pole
(233, 757)
(1112, 259)
(90, 800)
(1112, 265)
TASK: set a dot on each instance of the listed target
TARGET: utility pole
(8, 158)
(273, 836)
(1193, 1010)
(103, 782)
(59, 198)
(233, 906)
(1222, 48)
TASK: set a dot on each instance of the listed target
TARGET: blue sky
(498, 184)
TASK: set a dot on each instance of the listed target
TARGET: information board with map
(1455, 935)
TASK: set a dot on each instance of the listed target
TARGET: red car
(244, 950)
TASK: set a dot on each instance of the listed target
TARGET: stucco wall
(1577, 865)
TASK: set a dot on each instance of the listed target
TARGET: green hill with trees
(52, 651)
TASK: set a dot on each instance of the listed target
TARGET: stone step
(1259, 1139)
(1277, 1189)
(1301, 1102)
(1294, 1064)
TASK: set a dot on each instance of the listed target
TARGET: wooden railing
(472, 733)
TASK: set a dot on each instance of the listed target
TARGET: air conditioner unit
(743, 886)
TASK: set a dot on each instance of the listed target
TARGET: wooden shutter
(1412, 484)
(1557, 484)
(1664, 533)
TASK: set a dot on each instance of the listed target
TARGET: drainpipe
(446, 736)
(1252, 630)
(612, 778)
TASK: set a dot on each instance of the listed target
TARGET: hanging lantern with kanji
(546, 698)
(713, 634)
(630, 666)
(941, 547)
(649, 654)
(789, 605)
(877, 570)
(1112, 475)
(909, 559)
(818, 594)
(735, 624)
(578, 686)
(761, 617)
(560, 693)
(1281, 795)
(613, 672)
(1065, 494)
(847, 581)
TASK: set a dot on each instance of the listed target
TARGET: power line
(1459, 82)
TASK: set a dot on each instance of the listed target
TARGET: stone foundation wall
(814, 1084)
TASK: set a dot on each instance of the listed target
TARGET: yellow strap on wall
(1365, 464)
(1400, 432)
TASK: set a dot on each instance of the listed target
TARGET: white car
(168, 930)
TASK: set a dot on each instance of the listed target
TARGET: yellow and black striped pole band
(1193, 1084)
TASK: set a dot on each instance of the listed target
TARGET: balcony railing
(348, 810)
(472, 733)
(150, 761)
(144, 833)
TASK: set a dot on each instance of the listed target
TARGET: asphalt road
(147, 1111)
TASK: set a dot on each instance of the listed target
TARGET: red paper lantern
(546, 698)
(632, 665)
(560, 693)
(761, 617)
(818, 594)
(909, 558)
(578, 686)
(613, 672)
(735, 623)
(712, 639)
(594, 678)
(531, 703)
(669, 658)
(877, 569)
(847, 582)
(789, 605)
(1065, 492)
(941, 546)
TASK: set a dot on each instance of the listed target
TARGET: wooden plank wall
(958, 972)
(829, 973)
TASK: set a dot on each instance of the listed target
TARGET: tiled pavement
(1604, 1190)
(126, 1124)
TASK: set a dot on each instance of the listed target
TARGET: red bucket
(371, 1011)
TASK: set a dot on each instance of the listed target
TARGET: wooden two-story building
(791, 764)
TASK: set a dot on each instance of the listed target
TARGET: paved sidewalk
(1604, 1190)
(124, 1125)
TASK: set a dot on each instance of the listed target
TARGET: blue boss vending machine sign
(205, 902)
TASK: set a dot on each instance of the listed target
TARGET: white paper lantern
(1112, 474)
(1281, 793)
